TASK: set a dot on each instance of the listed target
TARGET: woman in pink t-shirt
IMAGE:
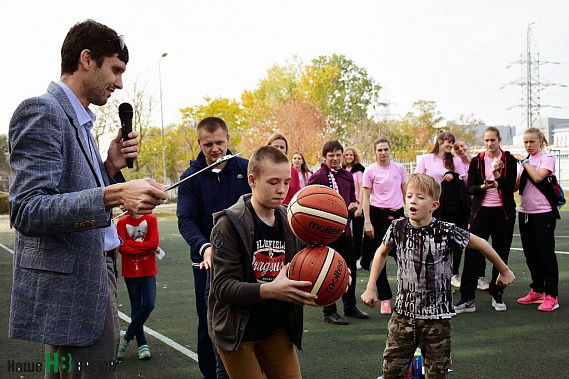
(537, 223)
(462, 150)
(491, 182)
(439, 161)
(351, 162)
(444, 167)
(382, 201)
(299, 163)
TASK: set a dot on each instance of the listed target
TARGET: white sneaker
(455, 281)
(466, 307)
(483, 284)
(499, 307)
(358, 264)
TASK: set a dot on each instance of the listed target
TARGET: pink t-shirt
(303, 182)
(533, 201)
(491, 197)
(432, 164)
(466, 166)
(385, 184)
(358, 178)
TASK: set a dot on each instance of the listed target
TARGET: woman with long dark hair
(447, 169)
(304, 173)
(491, 181)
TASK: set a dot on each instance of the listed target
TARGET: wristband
(525, 161)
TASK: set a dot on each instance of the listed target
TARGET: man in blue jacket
(198, 199)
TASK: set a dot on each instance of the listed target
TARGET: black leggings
(537, 232)
(489, 222)
(380, 221)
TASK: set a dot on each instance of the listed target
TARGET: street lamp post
(162, 117)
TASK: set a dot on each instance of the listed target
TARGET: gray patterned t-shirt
(424, 266)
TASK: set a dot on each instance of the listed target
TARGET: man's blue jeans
(142, 293)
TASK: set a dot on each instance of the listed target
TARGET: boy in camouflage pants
(423, 307)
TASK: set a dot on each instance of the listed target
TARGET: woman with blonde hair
(351, 162)
(538, 215)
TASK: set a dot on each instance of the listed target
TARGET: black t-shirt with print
(268, 258)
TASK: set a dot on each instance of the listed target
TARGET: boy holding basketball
(255, 311)
(423, 307)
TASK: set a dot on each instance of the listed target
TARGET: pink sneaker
(549, 304)
(532, 298)
(385, 307)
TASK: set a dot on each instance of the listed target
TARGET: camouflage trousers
(404, 334)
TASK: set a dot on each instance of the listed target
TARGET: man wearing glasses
(64, 288)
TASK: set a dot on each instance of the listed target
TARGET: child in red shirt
(139, 234)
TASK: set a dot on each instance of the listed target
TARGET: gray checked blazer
(59, 293)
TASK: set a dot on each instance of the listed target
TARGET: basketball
(317, 214)
(325, 269)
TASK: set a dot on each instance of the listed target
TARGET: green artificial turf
(519, 343)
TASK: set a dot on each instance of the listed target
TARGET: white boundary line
(173, 344)
(557, 252)
(7, 248)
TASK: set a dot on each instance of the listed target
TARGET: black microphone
(125, 114)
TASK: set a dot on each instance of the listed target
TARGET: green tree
(344, 92)
(184, 135)
(422, 124)
(465, 128)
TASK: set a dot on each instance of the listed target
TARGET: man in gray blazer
(64, 289)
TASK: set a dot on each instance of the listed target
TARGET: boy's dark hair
(264, 156)
(331, 146)
(425, 183)
(101, 40)
(211, 124)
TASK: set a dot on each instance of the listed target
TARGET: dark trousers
(345, 247)
(206, 354)
(220, 370)
(490, 222)
(102, 354)
(380, 221)
(142, 294)
(538, 240)
(358, 235)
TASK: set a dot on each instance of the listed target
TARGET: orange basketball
(317, 214)
(325, 269)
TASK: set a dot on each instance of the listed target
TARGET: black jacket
(506, 183)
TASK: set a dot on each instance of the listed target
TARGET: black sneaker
(356, 313)
(465, 306)
(335, 318)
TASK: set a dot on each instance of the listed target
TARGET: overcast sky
(452, 52)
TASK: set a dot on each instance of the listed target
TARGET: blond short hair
(425, 183)
(263, 157)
